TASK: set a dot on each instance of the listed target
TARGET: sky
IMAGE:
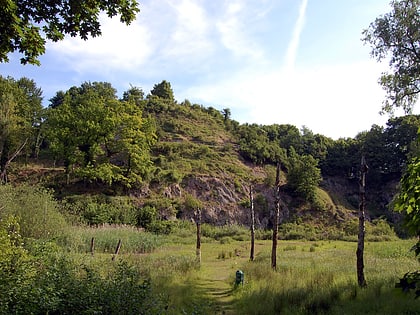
(298, 62)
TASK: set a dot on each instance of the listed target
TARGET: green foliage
(303, 176)
(101, 209)
(25, 26)
(235, 232)
(163, 90)
(407, 202)
(34, 208)
(394, 36)
(104, 139)
(20, 119)
(17, 270)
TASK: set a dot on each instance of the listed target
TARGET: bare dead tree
(361, 237)
(276, 218)
(251, 205)
(198, 224)
(92, 246)
(5, 161)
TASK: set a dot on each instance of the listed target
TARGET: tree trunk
(5, 160)
(198, 223)
(276, 218)
(361, 237)
(251, 202)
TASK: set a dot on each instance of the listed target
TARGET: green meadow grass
(312, 277)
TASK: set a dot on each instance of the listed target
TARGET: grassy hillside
(197, 157)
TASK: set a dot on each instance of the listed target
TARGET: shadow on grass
(379, 298)
(200, 296)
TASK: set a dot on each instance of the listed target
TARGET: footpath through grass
(312, 278)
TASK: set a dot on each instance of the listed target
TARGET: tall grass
(78, 240)
(323, 281)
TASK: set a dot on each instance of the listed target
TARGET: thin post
(251, 202)
(276, 218)
(92, 246)
(117, 250)
(198, 224)
(361, 236)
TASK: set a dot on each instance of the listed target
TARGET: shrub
(34, 208)
(101, 209)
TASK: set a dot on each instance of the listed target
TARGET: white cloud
(232, 26)
(336, 101)
(190, 36)
(120, 47)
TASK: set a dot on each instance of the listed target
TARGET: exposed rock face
(220, 197)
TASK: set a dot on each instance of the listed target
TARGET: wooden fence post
(117, 250)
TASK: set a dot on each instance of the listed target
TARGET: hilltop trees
(163, 90)
(396, 35)
(26, 25)
(104, 138)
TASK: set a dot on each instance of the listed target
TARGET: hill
(153, 160)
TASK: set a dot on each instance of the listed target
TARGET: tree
(361, 235)
(396, 35)
(26, 25)
(407, 202)
(276, 219)
(20, 118)
(134, 94)
(103, 138)
(304, 175)
(163, 90)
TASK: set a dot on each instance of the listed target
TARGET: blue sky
(298, 62)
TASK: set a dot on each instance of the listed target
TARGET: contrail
(294, 42)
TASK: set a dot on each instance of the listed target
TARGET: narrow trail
(216, 281)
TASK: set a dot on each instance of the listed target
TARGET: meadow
(312, 277)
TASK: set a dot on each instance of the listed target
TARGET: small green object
(239, 277)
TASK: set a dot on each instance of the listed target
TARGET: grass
(312, 277)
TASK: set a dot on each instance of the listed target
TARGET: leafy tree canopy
(163, 90)
(106, 138)
(396, 35)
(25, 25)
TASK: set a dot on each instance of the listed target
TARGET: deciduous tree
(26, 25)
(395, 36)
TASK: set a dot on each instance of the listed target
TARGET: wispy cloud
(190, 36)
(232, 26)
(294, 42)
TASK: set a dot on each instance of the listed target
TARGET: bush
(100, 209)
(34, 208)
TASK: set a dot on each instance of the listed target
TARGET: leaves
(103, 138)
(26, 25)
(396, 35)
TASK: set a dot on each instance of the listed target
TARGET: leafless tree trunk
(5, 161)
(361, 237)
(276, 218)
(198, 224)
(251, 202)
(92, 246)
